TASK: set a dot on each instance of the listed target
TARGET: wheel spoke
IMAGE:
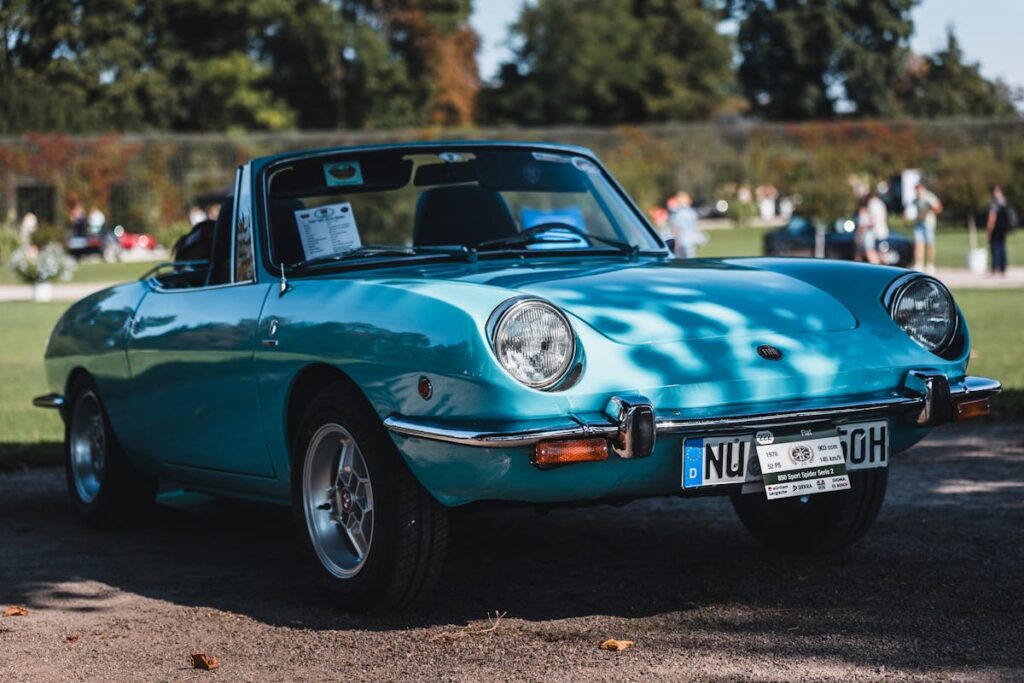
(359, 542)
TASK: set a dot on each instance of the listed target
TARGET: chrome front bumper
(632, 427)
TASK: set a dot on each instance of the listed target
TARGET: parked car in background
(800, 235)
(376, 335)
(129, 241)
(104, 244)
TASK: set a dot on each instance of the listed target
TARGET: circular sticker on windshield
(801, 453)
(585, 165)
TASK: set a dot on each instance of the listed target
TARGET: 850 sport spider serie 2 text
(376, 335)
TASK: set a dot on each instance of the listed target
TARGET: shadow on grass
(17, 456)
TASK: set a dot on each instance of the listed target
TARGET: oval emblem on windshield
(769, 352)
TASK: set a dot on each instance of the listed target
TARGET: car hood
(665, 301)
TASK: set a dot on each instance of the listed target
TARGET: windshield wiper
(534, 235)
(371, 250)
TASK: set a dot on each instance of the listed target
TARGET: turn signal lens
(968, 410)
(564, 452)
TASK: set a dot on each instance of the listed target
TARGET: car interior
(435, 199)
(203, 256)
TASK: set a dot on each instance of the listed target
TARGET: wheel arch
(308, 382)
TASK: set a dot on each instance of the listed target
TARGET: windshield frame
(265, 173)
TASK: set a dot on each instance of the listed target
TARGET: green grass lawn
(26, 432)
(951, 245)
(93, 271)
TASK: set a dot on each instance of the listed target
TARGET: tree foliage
(75, 65)
(944, 84)
(608, 61)
(816, 59)
(804, 59)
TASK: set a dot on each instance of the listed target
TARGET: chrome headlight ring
(535, 343)
(925, 310)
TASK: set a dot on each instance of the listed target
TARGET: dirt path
(935, 592)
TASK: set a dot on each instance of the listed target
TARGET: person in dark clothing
(996, 228)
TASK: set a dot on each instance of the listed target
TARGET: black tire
(123, 495)
(827, 522)
(409, 536)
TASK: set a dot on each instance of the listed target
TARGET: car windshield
(407, 202)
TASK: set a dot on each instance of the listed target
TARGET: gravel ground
(933, 593)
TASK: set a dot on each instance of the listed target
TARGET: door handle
(273, 331)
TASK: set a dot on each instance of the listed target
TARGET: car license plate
(732, 459)
(77, 243)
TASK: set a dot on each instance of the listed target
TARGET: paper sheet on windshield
(327, 230)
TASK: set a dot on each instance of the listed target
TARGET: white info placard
(327, 230)
(800, 461)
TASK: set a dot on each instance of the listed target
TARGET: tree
(944, 84)
(609, 62)
(83, 66)
(805, 58)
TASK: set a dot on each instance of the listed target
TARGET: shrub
(33, 265)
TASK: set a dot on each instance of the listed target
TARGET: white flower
(42, 265)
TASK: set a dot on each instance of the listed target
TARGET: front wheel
(822, 523)
(106, 488)
(374, 536)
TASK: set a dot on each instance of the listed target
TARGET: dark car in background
(799, 238)
(105, 244)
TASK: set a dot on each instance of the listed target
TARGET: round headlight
(924, 308)
(534, 343)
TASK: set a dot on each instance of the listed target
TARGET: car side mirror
(670, 244)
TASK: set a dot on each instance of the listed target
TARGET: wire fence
(149, 182)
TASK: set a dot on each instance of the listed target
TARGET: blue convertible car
(377, 335)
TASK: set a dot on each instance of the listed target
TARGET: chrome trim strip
(971, 388)
(49, 401)
(488, 439)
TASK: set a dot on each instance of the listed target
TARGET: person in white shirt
(683, 219)
(877, 228)
(96, 220)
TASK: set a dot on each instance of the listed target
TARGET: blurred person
(878, 227)
(862, 239)
(29, 224)
(212, 212)
(928, 208)
(96, 220)
(196, 216)
(786, 208)
(766, 198)
(996, 229)
(76, 217)
(683, 219)
(659, 217)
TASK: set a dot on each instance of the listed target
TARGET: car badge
(801, 454)
(769, 352)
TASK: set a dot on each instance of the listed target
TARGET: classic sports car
(799, 236)
(376, 335)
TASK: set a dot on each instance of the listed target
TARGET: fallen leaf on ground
(16, 612)
(72, 638)
(617, 645)
(204, 662)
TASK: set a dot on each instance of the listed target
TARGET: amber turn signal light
(564, 452)
(968, 410)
